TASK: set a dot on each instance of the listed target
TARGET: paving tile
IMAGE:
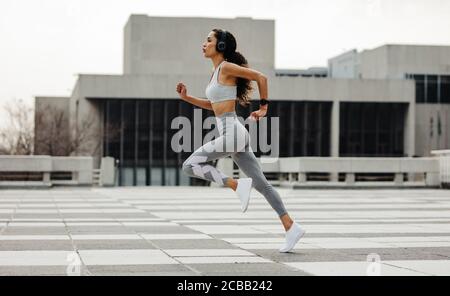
(186, 231)
(351, 269)
(125, 257)
(206, 252)
(33, 258)
(222, 259)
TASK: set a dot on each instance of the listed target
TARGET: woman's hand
(182, 90)
(256, 115)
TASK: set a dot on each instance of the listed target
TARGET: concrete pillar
(350, 178)
(432, 179)
(46, 178)
(107, 171)
(85, 172)
(409, 128)
(302, 177)
(398, 180)
(291, 177)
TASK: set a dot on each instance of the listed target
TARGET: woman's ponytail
(230, 54)
(244, 87)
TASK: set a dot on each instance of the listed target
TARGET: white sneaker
(243, 190)
(293, 235)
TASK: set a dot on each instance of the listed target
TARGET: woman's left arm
(252, 75)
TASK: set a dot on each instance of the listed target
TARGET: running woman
(231, 82)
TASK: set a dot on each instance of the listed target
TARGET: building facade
(373, 103)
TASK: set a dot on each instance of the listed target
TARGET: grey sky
(45, 43)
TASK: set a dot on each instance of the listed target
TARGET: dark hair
(231, 55)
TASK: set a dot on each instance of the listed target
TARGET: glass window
(297, 109)
(432, 89)
(158, 132)
(186, 110)
(156, 176)
(185, 180)
(143, 132)
(171, 176)
(445, 89)
(172, 112)
(112, 128)
(371, 129)
(420, 88)
(129, 126)
(284, 131)
(141, 176)
(126, 176)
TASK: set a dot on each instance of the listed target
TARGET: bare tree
(55, 136)
(17, 135)
(50, 132)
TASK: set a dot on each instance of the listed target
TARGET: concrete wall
(326, 89)
(280, 88)
(392, 61)
(173, 45)
(424, 128)
(80, 167)
(417, 59)
(373, 64)
(344, 65)
(61, 103)
(85, 113)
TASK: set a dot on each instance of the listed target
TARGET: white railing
(297, 171)
(444, 166)
(46, 171)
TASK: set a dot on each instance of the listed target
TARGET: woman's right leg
(232, 138)
(196, 165)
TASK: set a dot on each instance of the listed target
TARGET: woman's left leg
(248, 163)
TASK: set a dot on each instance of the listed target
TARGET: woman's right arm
(202, 103)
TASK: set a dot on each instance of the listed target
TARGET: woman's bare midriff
(222, 107)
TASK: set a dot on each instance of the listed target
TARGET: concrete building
(427, 66)
(389, 101)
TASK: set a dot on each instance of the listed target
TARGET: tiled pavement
(201, 231)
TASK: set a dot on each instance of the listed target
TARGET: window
(431, 87)
(126, 176)
(371, 129)
(445, 89)
(420, 88)
(143, 132)
(129, 126)
(141, 176)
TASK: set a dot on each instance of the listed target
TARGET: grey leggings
(234, 141)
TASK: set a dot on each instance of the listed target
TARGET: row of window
(372, 129)
(138, 134)
(431, 88)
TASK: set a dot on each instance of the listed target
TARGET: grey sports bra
(217, 92)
